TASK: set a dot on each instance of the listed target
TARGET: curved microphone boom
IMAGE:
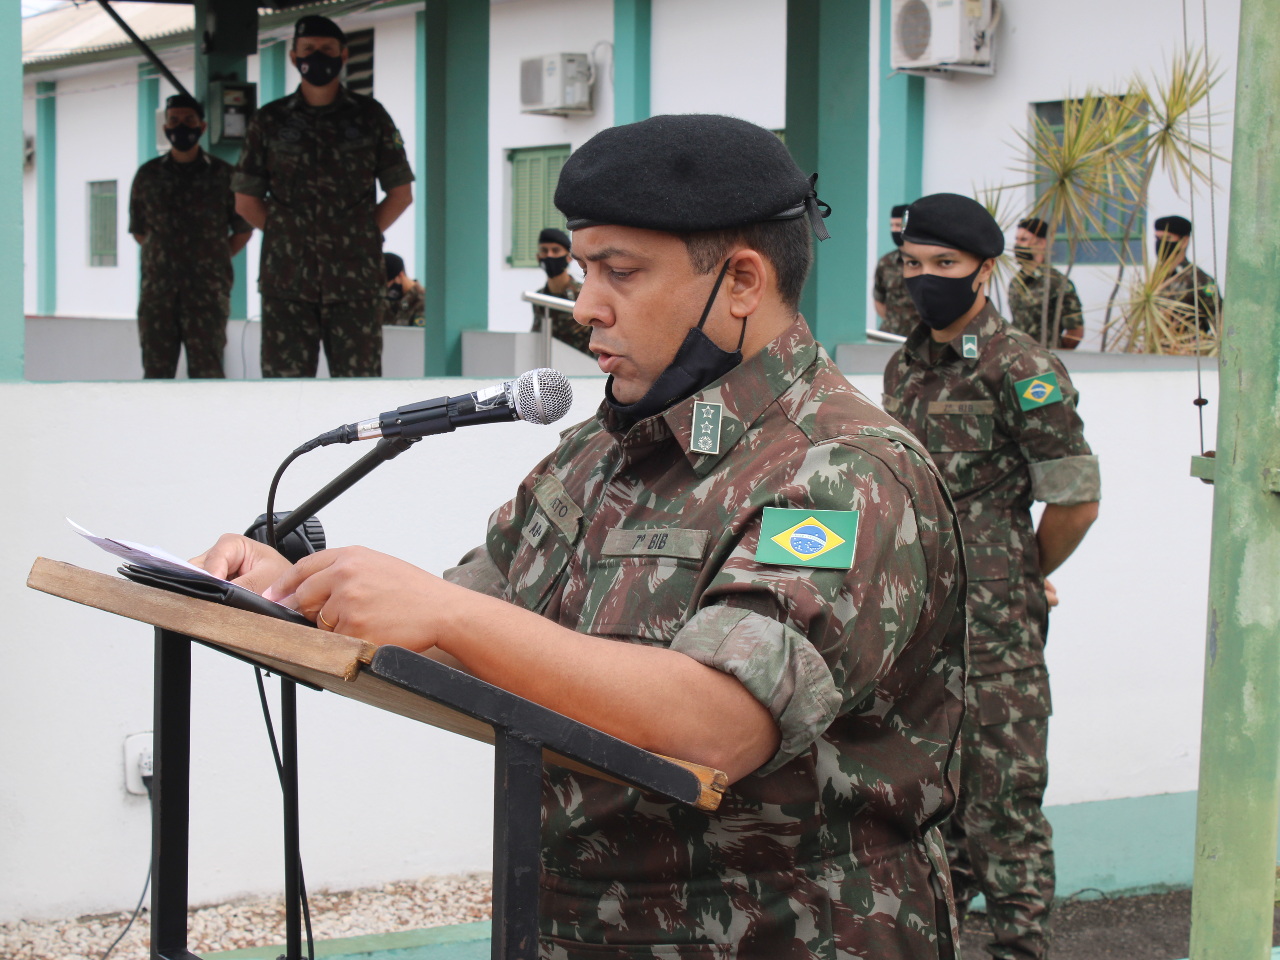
(539, 396)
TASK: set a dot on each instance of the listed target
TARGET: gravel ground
(431, 902)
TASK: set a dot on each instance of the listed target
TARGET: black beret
(552, 235)
(950, 220)
(394, 264)
(315, 25)
(685, 172)
(899, 209)
(1034, 225)
(1178, 226)
(183, 101)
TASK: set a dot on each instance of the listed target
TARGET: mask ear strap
(742, 335)
(706, 311)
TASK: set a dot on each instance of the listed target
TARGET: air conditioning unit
(936, 36)
(558, 84)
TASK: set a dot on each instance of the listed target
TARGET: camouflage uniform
(1026, 301)
(964, 400)
(185, 213)
(1183, 285)
(831, 848)
(410, 310)
(321, 274)
(901, 316)
(563, 326)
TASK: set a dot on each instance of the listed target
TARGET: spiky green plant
(1153, 321)
(996, 200)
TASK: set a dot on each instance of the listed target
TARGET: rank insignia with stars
(1039, 391)
(705, 437)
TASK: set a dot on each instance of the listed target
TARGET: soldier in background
(997, 413)
(739, 561)
(306, 179)
(1187, 283)
(553, 257)
(404, 303)
(894, 307)
(182, 213)
(1026, 289)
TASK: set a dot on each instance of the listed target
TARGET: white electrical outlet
(137, 762)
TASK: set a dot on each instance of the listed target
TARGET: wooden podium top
(390, 678)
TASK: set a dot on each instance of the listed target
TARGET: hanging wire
(1200, 401)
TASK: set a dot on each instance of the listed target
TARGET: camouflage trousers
(999, 841)
(292, 331)
(171, 319)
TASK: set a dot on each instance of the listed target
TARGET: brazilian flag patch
(808, 538)
(1039, 391)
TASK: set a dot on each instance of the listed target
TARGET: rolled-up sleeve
(1067, 481)
(778, 666)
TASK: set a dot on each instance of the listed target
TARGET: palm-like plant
(995, 199)
(1154, 321)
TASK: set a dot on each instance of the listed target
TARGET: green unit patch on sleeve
(1038, 391)
(808, 538)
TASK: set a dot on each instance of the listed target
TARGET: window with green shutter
(102, 223)
(534, 172)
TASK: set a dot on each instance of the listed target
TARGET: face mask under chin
(941, 301)
(697, 364)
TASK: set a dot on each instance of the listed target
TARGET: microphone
(540, 396)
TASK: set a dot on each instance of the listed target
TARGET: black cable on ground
(145, 886)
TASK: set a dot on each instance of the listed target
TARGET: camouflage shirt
(316, 167)
(563, 326)
(829, 849)
(997, 412)
(1183, 285)
(185, 212)
(901, 316)
(1026, 301)
(408, 310)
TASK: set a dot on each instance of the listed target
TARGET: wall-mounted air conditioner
(558, 84)
(937, 36)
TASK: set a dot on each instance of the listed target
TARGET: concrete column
(828, 90)
(148, 104)
(273, 67)
(632, 55)
(452, 189)
(46, 198)
(12, 322)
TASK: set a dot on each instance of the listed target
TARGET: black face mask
(183, 137)
(697, 363)
(319, 68)
(1164, 248)
(554, 266)
(1024, 253)
(394, 290)
(941, 301)
(897, 237)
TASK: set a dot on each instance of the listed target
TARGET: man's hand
(250, 564)
(369, 595)
(253, 209)
(1051, 594)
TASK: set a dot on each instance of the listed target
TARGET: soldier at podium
(738, 561)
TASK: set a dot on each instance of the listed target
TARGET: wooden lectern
(524, 734)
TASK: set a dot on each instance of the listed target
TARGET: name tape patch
(808, 538)
(980, 407)
(558, 505)
(665, 542)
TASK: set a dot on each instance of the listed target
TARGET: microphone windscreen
(542, 395)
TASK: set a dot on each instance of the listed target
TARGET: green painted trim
(46, 197)
(828, 91)
(632, 59)
(273, 64)
(454, 177)
(420, 154)
(901, 146)
(148, 104)
(12, 321)
(462, 941)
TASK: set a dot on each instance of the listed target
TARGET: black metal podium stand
(525, 735)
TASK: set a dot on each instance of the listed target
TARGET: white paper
(144, 556)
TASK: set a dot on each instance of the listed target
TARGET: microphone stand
(388, 448)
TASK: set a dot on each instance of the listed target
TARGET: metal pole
(142, 45)
(292, 843)
(1239, 794)
(170, 796)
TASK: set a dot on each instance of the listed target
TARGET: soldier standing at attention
(894, 307)
(306, 179)
(553, 257)
(1026, 289)
(997, 413)
(1187, 283)
(182, 213)
(738, 560)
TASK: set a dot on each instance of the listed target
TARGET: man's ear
(346, 53)
(748, 279)
(985, 271)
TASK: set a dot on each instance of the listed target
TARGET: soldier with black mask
(553, 257)
(1185, 282)
(893, 304)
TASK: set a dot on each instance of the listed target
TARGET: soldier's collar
(968, 346)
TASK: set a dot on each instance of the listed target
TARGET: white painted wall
(1046, 53)
(175, 463)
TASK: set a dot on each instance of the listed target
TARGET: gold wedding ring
(320, 614)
